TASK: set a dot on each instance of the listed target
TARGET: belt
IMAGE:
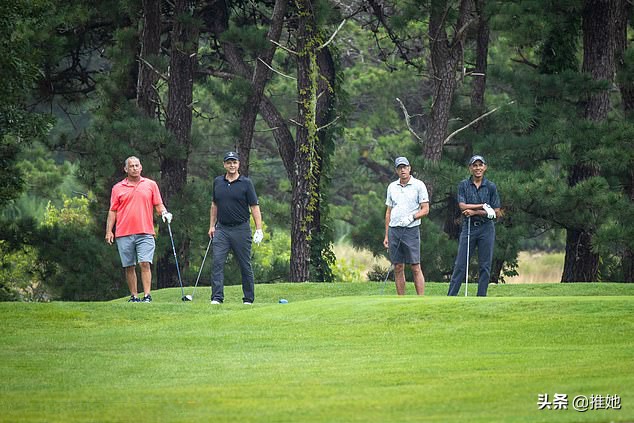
(231, 225)
(478, 222)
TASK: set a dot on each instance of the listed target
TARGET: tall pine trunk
(304, 184)
(174, 158)
(446, 58)
(147, 94)
(581, 264)
(259, 79)
(626, 86)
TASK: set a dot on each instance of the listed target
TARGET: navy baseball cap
(401, 161)
(475, 158)
(231, 155)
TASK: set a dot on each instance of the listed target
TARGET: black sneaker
(147, 299)
(134, 299)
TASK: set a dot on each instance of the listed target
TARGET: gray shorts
(404, 244)
(135, 249)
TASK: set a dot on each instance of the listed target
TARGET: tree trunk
(446, 56)
(581, 264)
(260, 77)
(478, 87)
(322, 256)
(627, 97)
(174, 158)
(147, 95)
(304, 184)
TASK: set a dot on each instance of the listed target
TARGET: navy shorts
(404, 244)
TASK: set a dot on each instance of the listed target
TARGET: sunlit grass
(359, 260)
(539, 267)
(337, 352)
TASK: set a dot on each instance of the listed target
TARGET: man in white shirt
(407, 202)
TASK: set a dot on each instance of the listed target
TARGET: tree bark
(627, 98)
(581, 264)
(478, 87)
(179, 120)
(147, 95)
(260, 77)
(326, 88)
(446, 57)
(304, 184)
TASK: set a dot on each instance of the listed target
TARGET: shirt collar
(485, 181)
(126, 182)
(227, 180)
(411, 180)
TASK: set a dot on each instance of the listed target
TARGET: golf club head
(187, 298)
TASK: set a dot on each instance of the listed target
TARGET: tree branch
(407, 121)
(282, 47)
(153, 69)
(332, 36)
(473, 122)
(328, 124)
(276, 71)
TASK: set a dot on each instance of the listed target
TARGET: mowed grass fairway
(334, 353)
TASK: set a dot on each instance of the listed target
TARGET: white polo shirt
(405, 200)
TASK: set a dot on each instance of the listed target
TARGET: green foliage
(68, 251)
(19, 65)
(74, 212)
(10, 175)
(19, 276)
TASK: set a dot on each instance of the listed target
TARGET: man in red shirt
(131, 204)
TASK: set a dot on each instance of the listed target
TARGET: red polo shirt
(134, 205)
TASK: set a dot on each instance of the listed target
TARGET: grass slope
(334, 353)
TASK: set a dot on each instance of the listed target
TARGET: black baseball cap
(475, 158)
(231, 155)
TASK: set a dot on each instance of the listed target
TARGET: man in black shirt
(229, 227)
(479, 203)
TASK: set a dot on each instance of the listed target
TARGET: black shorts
(404, 244)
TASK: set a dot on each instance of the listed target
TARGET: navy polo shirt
(233, 199)
(468, 193)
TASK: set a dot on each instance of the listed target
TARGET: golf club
(391, 267)
(191, 297)
(386, 276)
(466, 288)
(178, 270)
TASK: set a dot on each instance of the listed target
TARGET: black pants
(238, 239)
(482, 237)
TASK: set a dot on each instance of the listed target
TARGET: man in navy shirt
(233, 201)
(479, 202)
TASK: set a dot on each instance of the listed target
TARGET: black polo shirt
(468, 193)
(233, 199)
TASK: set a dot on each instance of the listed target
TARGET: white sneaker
(247, 303)
(215, 302)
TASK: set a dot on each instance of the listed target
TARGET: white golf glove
(405, 221)
(258, 235)
(167, 216)
(489, 210)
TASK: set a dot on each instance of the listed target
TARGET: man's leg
(146, 277)
(241, 245)
(460, 265)
(221, 245)
(130, 277)
(145, 246)
(399, 278)
(486, 241)
(419, 279)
